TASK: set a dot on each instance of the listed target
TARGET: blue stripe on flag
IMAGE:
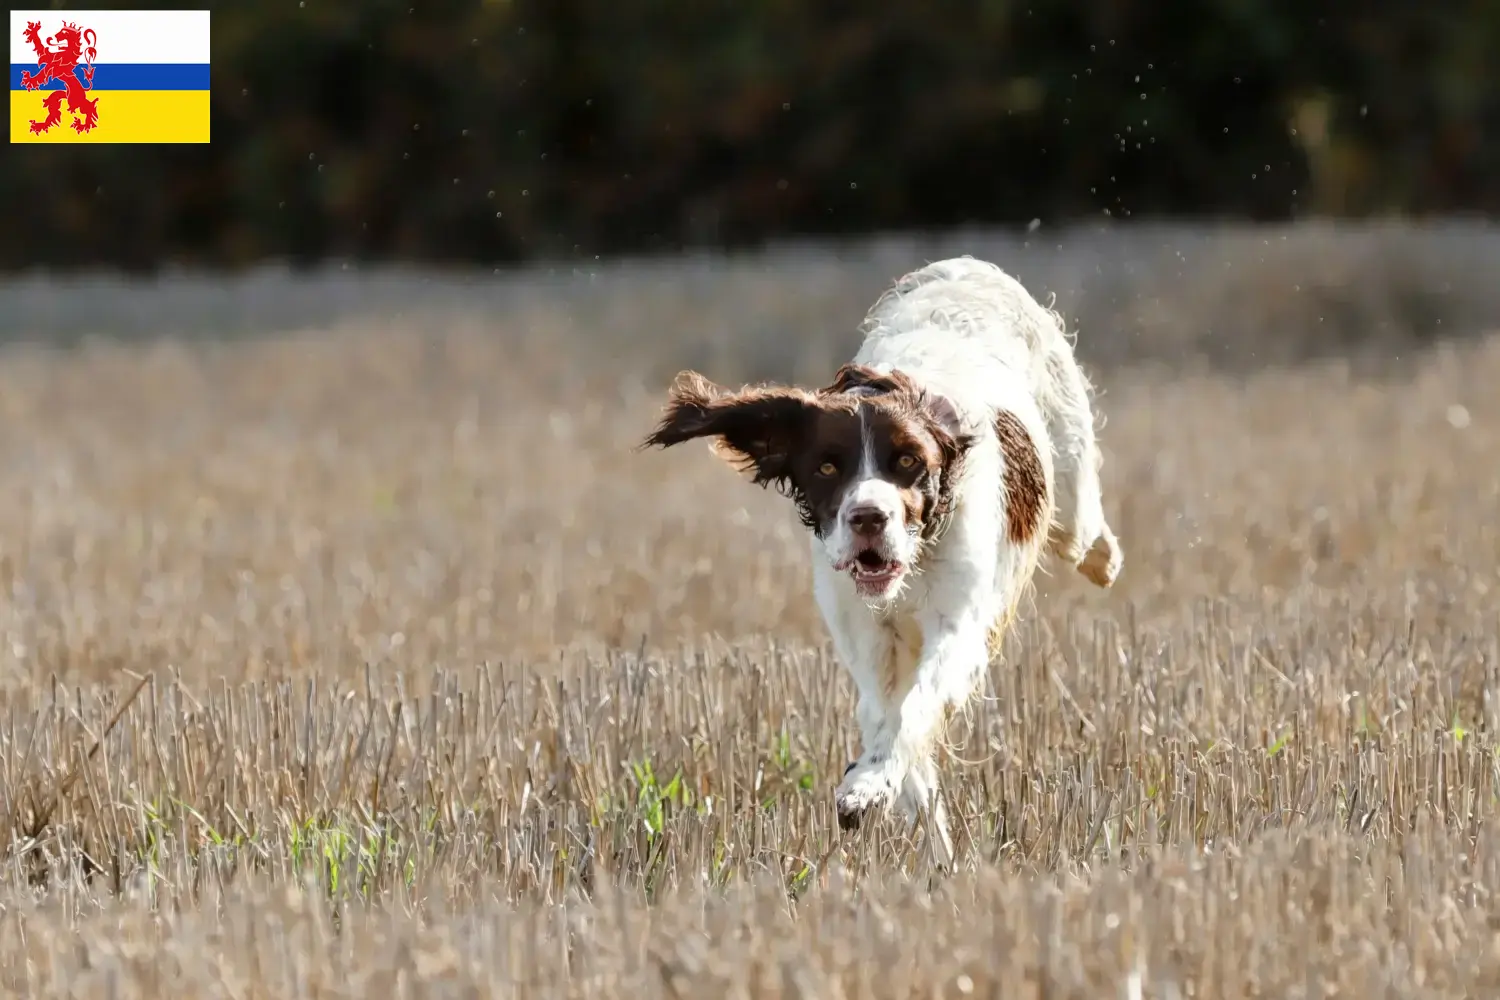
(128, 76)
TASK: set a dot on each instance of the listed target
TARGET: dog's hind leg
(1080, 535)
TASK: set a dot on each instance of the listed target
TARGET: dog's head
(871, 460)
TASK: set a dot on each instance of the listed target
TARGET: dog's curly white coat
(970, 333)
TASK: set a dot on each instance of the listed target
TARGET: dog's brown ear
(944, 414)
(955, 436)
(754, 429)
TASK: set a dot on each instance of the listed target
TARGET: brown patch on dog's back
(1025, 482)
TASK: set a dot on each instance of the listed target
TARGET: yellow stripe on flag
(124, 116)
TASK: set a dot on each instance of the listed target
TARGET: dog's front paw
(1102, 564)
(866, 786)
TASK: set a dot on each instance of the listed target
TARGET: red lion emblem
(56, 59)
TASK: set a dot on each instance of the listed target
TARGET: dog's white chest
(905, 650)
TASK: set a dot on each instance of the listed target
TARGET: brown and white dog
(932, 472)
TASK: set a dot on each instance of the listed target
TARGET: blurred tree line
(499, 130)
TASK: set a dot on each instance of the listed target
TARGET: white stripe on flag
(124, 36)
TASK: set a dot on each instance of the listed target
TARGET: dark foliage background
(506, 130)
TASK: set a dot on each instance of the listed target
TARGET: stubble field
(370, 660)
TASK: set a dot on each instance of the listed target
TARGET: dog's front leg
(864, 647)
(899, 753)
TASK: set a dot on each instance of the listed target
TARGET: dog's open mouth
(872, 571)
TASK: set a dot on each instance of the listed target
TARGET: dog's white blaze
(867, 446)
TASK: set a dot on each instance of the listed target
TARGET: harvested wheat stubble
(449, 693)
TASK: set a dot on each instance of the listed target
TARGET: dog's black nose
(867, 520)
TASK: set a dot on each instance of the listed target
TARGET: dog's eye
(827, 469)
(907, 462)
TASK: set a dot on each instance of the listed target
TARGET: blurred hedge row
(497, 130)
